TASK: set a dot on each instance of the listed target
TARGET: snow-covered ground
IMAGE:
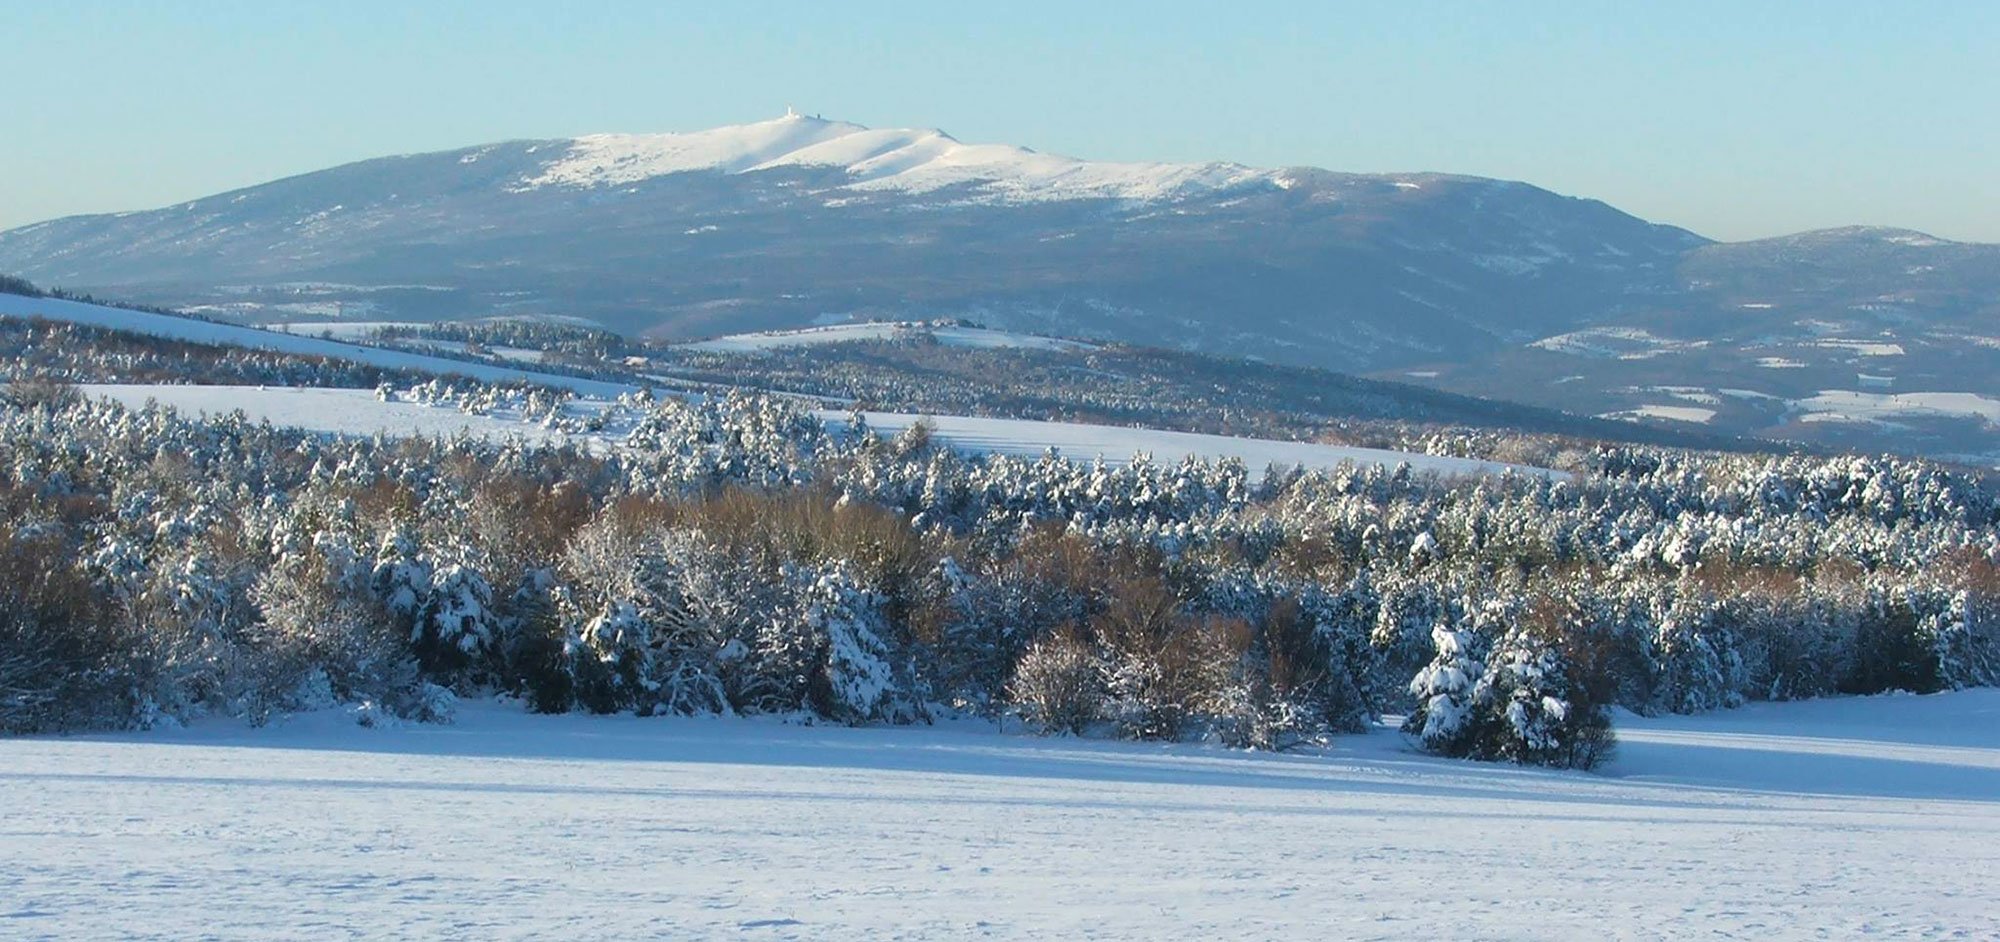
(904, 159)
(196, 331)
(1843, 405)
(1866, 348)
(1117, 444)
(1625, 343)
(335, 411)
(1695, 414)
(952, 336)
(359, 412)
(1870, 818)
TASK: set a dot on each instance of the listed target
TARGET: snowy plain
(1694, 414)
(313, 409)
(1845, 405)
(359, 412)
(1118, 444)
(1847, 818)
(191, 330)
(950, 336)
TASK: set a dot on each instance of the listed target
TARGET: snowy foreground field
(1875, 817)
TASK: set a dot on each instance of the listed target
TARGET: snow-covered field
(952, 336)
(1625, 343)
(368, 331)
(1695, 414)
(335, 411)
(1843, 405)
(358, 412)
(1117, 444)
(1866, 348)
(1868, 818)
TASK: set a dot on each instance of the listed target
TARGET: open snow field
(206, 332)
(952, 336)
(1876, 818)
(359, 412)
(334, 411)
(1118, 444)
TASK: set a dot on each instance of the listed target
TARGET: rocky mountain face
(1494, 288)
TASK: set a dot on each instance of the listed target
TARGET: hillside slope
(784, 223)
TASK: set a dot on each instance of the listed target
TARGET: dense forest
(732, 555)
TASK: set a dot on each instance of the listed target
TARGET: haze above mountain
(1483, 286)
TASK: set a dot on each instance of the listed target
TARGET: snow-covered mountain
(1489, 287)
(799, 220)
(895, 159)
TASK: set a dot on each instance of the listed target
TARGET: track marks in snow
(515, 826)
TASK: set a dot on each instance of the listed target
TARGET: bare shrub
(29, 392)
(1057, 685)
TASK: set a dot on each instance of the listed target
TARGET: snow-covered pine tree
(1448, 719)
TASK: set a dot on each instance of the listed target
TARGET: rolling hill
(1493, 288)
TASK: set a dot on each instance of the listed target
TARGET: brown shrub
(1057, 683)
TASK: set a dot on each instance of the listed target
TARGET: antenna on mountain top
(791, 112)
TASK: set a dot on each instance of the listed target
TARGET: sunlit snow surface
(973, 337)
(1117, 445)
(1694, 414)
(336, 411)
(903, 159)
(1869, 818)
(1843, 405)
(206, 332)
(358, 412)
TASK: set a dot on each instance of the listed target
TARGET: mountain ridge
(475, 209)
(1444, 279)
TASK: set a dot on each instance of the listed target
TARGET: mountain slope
(1863, 337)
(788, 222)
(1497, 289)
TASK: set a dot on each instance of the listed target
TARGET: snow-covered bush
(1535, 711)
(1527, 700)
(1057, 684)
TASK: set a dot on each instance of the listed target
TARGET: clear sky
(1735, 119)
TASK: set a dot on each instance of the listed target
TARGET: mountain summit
(898, 159)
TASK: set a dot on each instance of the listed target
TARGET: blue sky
(1737, 120)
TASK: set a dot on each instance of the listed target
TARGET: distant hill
(790, 222)
(1866, 338)
(1489, 287)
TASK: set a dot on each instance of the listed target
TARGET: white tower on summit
(791, 112)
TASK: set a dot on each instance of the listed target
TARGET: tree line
(733, 555)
